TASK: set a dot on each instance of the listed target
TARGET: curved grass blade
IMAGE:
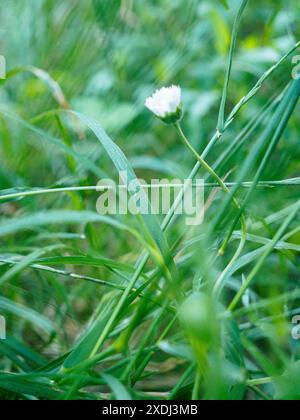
(271, 136)
(60, 217)
(149, 220)
(82, 160)
(29, 315)
(25, 262)
(268, 249)
(45, 77)
(119, 390)
(221, 119)
(85, 260)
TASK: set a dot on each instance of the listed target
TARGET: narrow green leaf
(221, 119)
(123, 166)
(117, 387)
(8, 306)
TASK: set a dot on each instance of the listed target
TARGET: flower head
(166, 104)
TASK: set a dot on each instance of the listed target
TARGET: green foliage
(135, 307)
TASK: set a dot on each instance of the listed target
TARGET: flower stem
(224, 187)
(202, 162)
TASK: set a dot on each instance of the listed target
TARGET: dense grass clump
(145, 306)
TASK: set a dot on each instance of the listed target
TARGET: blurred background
(107, 56)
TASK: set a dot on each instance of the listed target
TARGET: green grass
(146, 307)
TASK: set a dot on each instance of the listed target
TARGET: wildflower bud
(166, 104)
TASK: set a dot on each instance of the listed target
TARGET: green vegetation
(147, 307)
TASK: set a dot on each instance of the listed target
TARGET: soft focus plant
(146, 307)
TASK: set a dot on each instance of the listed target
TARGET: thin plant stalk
(224, 187)
(265, 255)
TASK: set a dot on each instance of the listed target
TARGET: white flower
(166, 104)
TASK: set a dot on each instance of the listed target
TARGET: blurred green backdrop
(107, 56)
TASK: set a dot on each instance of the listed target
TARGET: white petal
(164, 101)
